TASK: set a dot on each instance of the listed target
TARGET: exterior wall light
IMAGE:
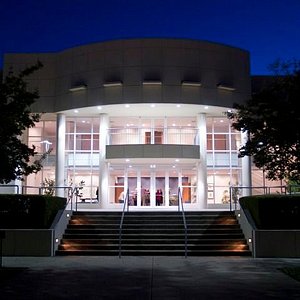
(191, 83)
(225, 87)
(113, 84)
(77, 88)
(152, 82)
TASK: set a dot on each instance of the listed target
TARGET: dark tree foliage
(272, 119)
(16, 158)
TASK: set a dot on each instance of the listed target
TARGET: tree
(272, 120)
(16, 158)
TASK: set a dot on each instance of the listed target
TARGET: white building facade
(140, 118)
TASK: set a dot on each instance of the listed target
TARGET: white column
(246, 169)
(60, 153)
(103, 166)
(202, 167)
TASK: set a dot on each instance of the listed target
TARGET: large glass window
(223, 165)
(139, 130)
(43, 137)
(82, 155)
(82, 134)
(219, 182)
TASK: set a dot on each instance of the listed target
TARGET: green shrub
(29, 211)
(273, 211)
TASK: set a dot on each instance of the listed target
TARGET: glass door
(153, 131)
(160, 187)
(145, 191)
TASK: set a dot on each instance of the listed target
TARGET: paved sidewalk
(146, 278)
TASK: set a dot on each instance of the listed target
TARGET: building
(143, 118)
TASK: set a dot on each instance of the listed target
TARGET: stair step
(153, 233)
(153, 246)
(152, 230)
(153, 241)
(157, 236)
(155, 252)
(152, 226)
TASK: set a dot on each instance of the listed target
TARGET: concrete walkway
(144, 278)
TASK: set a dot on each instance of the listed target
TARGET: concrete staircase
(154, 233)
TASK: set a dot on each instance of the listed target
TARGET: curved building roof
(135, 71)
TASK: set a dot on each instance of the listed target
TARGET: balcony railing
(159, 135)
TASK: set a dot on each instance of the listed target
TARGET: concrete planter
(35, 242)
(269, 243)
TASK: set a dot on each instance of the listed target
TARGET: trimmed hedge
(29, 211)
(273, 211)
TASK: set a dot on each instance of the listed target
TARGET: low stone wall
(35, 242)
(277, 243)
(28, 242)
(269, 243)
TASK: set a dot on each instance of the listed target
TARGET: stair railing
(125, 205)
(180, 205)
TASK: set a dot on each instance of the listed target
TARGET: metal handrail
(180, 202)
(11, 185)
(126, 204)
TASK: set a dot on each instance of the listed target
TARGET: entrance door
(160, 188)
(145, 191)
(153, 186)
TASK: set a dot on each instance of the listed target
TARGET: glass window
(220, 142)
(83, 125)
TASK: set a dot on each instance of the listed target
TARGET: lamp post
(47, 144)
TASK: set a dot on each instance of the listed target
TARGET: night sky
(268, 29)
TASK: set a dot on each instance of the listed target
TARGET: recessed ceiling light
(76, 111)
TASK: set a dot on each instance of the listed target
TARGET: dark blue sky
(268, 29)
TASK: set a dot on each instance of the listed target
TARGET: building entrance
(154, 187)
